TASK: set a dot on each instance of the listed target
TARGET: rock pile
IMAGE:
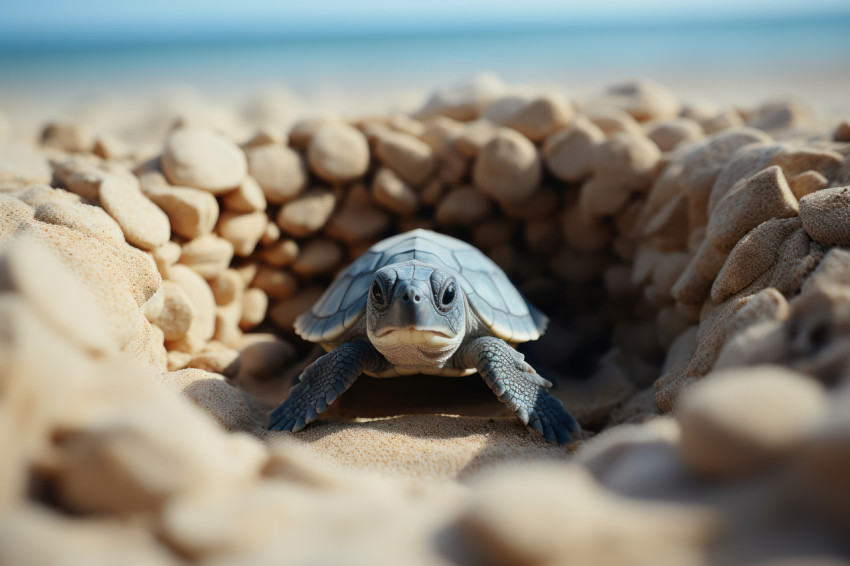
(671, 245)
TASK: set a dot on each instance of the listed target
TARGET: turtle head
(416, 313)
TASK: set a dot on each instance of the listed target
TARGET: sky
(34, 21)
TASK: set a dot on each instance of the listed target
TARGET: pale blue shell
(489, 291)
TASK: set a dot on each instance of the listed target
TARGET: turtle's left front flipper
(323, 382)
(516, 384)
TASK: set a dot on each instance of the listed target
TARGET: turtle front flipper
(323, 382)
(516, 384)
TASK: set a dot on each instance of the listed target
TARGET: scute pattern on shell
(489, 291)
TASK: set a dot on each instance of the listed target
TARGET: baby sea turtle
(423, 303)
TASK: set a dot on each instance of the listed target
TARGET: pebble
(67, 136)
(192, 212)
(201, 298)
(392, 193)
(358, 220)
(255, 303)
(207, 255)
(541, 116)
(277, 284)
(307, 214)
(243, 231)
(338, 153)
(643, 99)
(227, 287)
(317, 257)
(280, 171)
(464, 100)
(410, 158)
(86, 219)
(144, 224)
(248, 197)
(826, 216)
(742, 420)
(281, 253)
(203, 159)
(508, 168)
(284, 313)
(569, 153)
(668, 134)
(170, 310)
(264, 356)
(216, 358)
(463, 206)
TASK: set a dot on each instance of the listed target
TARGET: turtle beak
(412, 309)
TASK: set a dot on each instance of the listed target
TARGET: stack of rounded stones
(635, 221)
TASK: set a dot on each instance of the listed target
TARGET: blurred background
(375, 55)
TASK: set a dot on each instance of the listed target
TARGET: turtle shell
(489, 291)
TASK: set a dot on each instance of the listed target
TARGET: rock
(203, 159)
(780, 115)
(806, 183)
(86, 219)
(392, 193)
(242, 230)
(270, 235)
(166, 255)
(826, 216)
(284, 313)
(67, 136)
(307, 214)
(722, 120)
(143, 223)
(266, 135)
(668, 134)
(358, 220)
(317, 257)
(540, 117)
(842, 132)
(752, 201)
(277, 284)
(216, 358)
(21, 166)
(107, 146)
(264, 356)
(281, 253)
(280, 171)
(643, 99)
(338, 153)
(207, 255)
(752, 255)
(410, 158)
(611, 120)
(464, 206)
(612, 529)
(582, 234)
(740, 421)
(569, 153)
(255, 303)
(464, 100)
(248, 197)
(508, 168)
(192, 212)
(213, 394)
(170, 309)
(200, 296)
(227, 287)
(303, 130)
(542, 204)
(628, 160)
(474, 137)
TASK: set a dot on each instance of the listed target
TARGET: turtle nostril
(417, 298)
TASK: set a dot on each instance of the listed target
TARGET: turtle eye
(377, 294)
(448, 295)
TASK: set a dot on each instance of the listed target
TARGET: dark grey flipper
(323, 382)
(516, 384)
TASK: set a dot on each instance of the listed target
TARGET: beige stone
(410, 158)
(266, 135)
(248, 197)
(166, 255)
(643, 99)
(508, 168)
(628, 160)
(280, 253)
(568, 154)
(243, 231)
(276, 283)
(171, 310)
(463, 206)
(611, 120)
(264, 356)
(227, 287)
(200, 296)
(216, 358)
(806, 183)
(357, 220)
(255, 303)
(543, 236)
(826, 216)
(67, 136)
(780, 115)
(582, 234)
(280, 171)
(338, 153)
(317, 257)
(203, 159)
(144, 224)
(303, 130)
(192, 212)
(284, 313)
(307, 214)
(474, 137)
(754, 200)
(741, 420)
(392, 193)
(207, 255)
(89, 220)
(463, 100)
(541, 116)
(668, 134)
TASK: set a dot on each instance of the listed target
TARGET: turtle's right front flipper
(516, 384)
(322, 383)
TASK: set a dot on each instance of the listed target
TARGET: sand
(692, 258)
